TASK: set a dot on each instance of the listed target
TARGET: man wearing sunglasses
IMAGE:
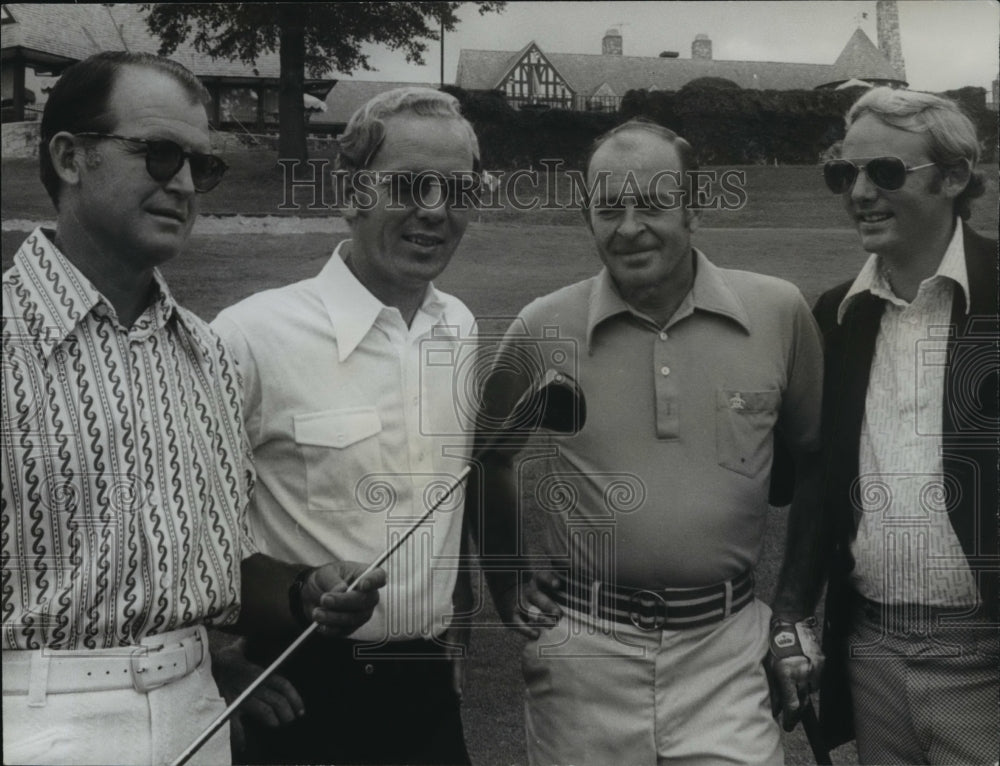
(907, 532)
(126, 475)
(350, 387)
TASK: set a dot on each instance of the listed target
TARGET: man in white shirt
(350, 408)
(908, 521)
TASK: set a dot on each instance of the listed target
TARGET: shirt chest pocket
(339, 447)
(744, 422)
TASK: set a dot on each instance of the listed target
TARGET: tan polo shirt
(666, 484)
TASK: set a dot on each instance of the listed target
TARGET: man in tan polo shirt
(653, 514)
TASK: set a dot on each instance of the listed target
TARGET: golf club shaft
(490, 443)
(226, 714)
(810, 725)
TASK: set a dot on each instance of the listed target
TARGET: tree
(320, 37)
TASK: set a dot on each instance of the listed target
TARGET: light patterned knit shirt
(126, 471)
(906, 551)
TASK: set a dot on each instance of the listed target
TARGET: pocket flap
(336, 428)
(748, 401)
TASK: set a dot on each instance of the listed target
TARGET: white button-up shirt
(357, 424)
(906, 550)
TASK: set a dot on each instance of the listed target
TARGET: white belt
(157, 660)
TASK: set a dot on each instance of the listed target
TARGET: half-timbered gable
(532, 79)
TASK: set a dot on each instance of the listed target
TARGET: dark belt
(663, 609)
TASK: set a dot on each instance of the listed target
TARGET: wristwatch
(295, 605)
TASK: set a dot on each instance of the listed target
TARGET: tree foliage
(748, 126)
(521, 138)
(318, 37)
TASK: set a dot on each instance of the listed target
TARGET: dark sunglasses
(887, 173)
(421, 189)
(165, 158)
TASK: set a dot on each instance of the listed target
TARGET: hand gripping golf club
(554, 402)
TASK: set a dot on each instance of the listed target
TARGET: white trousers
(115, 726)
(613, 694)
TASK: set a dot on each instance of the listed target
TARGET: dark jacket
(970, 433)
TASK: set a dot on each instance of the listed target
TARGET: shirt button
(663, 336)
(369, 670)
(665, 370)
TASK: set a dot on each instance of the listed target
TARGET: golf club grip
(810, 724)
(226, 714)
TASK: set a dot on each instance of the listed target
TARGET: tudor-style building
(535, 78)
(532, 79)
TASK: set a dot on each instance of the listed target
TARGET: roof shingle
(586, 72)
(76, 31)
(348, 95)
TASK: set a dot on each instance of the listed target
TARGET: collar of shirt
(872, 277)
(353, 310)
(62, 296)
(710, 292)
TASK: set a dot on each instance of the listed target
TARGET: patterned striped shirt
(125, 472)
(906, 551)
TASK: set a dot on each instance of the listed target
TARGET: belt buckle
(153, 667)
(647, 610)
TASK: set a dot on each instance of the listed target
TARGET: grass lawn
(790, 227)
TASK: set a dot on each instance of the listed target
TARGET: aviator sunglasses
(887, 173)
(165, 158)
(420, 189)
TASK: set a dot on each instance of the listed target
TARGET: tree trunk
(291, 109)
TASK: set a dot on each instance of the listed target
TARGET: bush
(725, 124)
(511, 138)
(731, 125)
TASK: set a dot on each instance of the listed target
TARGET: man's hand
(526, 606)
(275, 703)
(796, 662)
(325, 600)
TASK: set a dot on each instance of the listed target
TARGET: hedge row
(520, 138)
(729, 125)
(724, 123)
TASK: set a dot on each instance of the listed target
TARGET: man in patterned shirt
(126, 470)
(910, 432)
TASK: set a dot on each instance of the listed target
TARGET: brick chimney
(611, 45)
(887, 20)
(701, 48)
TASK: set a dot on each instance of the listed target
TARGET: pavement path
(230, 224)
(277, 224)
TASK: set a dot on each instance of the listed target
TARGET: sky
(946, 44)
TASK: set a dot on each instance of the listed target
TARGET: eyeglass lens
(165, 158)
(423, 188)
(887, 173)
